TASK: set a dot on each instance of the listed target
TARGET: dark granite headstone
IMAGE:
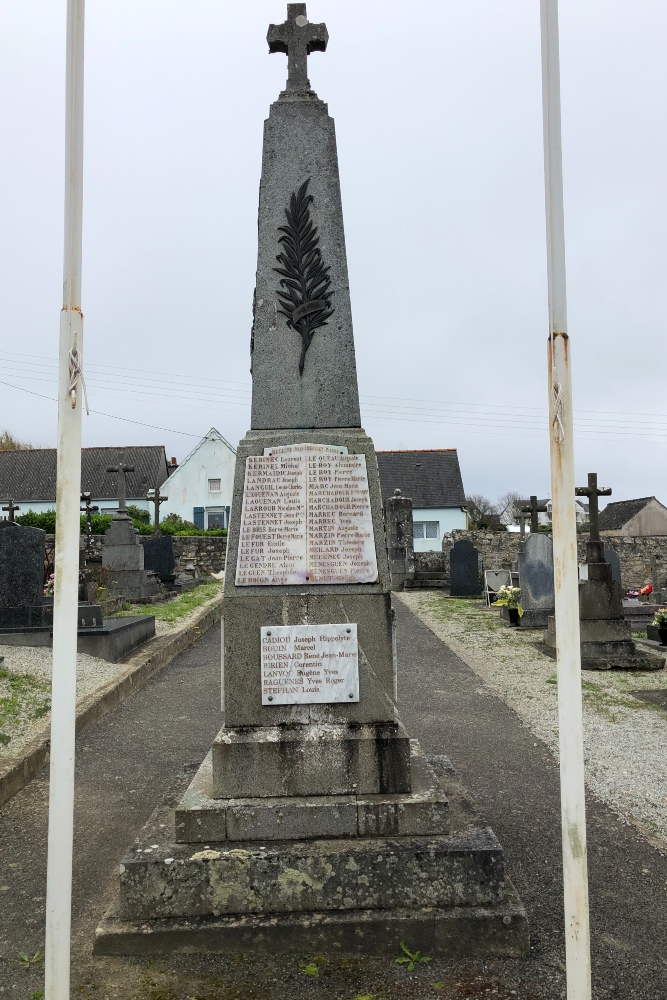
(21, 573)
(465, 574)
(611, 557)
(159, 557)
(536, 579)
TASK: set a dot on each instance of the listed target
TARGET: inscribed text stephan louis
(308, 664)
(306, 519)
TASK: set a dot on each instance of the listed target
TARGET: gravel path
(625, 738)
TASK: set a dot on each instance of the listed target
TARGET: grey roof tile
(429, 478)
(31, 475)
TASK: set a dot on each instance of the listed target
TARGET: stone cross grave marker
(89, 509)
(606, 638)
(533, 508)
(297, 37)
(122, 468)
(11, 509)
(156, 500)
(593, 492)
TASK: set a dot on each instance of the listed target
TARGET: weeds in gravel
(410, 958)
(28, 961)
(21, 697)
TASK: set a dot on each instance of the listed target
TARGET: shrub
(137, 514)
(46, 520)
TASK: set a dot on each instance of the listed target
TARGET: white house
(432, 479)
(200, 489)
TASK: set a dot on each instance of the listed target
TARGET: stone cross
(10, 508)
(593, 491)
(88, 511)
(122, 469)
(298, 38)
(534, 509)
(522, 524)
(156, 500)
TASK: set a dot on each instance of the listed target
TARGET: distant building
(29, 477)
(645, 516)
(432, 479)
(200, 489)
(544, 517)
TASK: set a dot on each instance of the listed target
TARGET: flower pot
(514, 617)
(662, 632)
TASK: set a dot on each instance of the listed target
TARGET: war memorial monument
(315, 821)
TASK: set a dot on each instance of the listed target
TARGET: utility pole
(71, 395)
(561, 438)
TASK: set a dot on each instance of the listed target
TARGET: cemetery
(280, 721)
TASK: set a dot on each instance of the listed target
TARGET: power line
(100, 413)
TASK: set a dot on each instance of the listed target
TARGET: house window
(427, 529)
(214, 485)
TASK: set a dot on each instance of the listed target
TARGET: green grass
(171, 611)
(21, 698)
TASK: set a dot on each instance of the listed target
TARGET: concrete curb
(16, 773)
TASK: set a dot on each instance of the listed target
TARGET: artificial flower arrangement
(49, 585)
(660, 618)
(509, 598)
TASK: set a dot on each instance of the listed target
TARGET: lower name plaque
(308, 664)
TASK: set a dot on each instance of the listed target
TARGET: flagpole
(68, 489)
(568, 649)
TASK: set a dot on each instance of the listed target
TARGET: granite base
(311, 759)
(606, 645)
(531, 618)
(201, 818)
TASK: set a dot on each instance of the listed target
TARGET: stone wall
(431, 562)
(207, 551)
(500, 549)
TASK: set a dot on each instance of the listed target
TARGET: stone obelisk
(315, 821)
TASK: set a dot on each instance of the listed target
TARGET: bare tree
(510, 504)
(481, 511)
(9, 443)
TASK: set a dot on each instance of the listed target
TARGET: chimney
(174, 463)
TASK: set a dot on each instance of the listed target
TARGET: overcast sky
(438, 116)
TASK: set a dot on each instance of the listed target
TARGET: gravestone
(536, 579)
(314, 818)
(159, 557)
(465, 570)
(400, 539)
(606, 637)
(21, 576)
(123, 556)
(612, 559)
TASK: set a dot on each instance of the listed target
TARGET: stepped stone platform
(292, 873)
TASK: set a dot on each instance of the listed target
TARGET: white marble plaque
(306, 518)
(308, 664)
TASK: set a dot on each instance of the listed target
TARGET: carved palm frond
(304, 293)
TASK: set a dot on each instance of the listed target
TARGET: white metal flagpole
(71, 394)
(568, 649)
